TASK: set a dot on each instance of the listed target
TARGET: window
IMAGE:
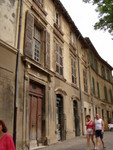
(103, 71)
(85, 80)
(98, 90)
(102, 114)
(73, 68)
(91, 58)
(47, 49)
(90, 112)
(37, 44)
(37, 41)
(96, 65)
(93, 81)
(107, 113)
(85, 113)
(57, 19)
(96, 110)
(71, 38)
(59, 59)
(105, 93)
(110, 93)
(108, 75)
(39, 1)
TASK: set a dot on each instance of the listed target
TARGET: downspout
(16, 75)
(80, 84)
(90, 80)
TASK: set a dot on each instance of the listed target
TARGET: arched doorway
(60, 118)
(76, 118)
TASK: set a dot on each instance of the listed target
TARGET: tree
(105, 10)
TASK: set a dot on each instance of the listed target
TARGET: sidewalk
(71, 144)
(80, 143)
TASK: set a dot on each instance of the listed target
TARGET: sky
(84, 17)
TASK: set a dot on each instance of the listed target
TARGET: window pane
(39, 1)
(60, 49)
(61, 71)
(37, 34)
(61, 63)
(57, 68)
(73, 67)
(56, 47)
(57, 18)
(56, 57)
(37, 51)
(59, 59)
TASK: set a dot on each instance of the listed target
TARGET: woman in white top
(99, 130)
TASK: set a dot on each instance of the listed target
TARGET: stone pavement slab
(79, 143)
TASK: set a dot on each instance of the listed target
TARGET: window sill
(58, 28)
(60, 77)
(40, 7)
(74, 85)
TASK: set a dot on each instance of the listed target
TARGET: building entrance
(60, 118)
(76, 119)
(36, 100)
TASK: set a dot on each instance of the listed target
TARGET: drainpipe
(90, 80)
(80, 84)
(16, 75)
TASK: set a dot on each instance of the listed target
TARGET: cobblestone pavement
(79, 143)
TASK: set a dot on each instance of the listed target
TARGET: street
(79, 143)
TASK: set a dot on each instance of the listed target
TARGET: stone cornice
(7, 46)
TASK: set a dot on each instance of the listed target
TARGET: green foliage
(105, 10)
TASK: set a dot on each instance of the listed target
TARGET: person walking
(6, 141)
(89, 131)
(99, 131)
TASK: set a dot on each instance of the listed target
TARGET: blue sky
(84, 17)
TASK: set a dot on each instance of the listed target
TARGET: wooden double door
(36, 111)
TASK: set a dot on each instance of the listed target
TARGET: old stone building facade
(61, 76)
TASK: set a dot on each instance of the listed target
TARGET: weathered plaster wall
(8, 17)
(7, 72)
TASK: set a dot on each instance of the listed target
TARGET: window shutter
(29, 31)
(47, 49)
(105, 92)
(98, 90)
(93, 80)
(110, 92)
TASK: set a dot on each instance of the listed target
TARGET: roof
(92, 48)
(66, 15)
(85, 41)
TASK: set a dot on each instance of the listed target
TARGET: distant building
(61, 76)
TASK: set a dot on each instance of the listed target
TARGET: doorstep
(38, 147)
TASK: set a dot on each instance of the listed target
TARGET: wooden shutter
(29, 31)
(93, 80)
(47, 49)
(105, 91)
(98, 90)
(110, 92)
